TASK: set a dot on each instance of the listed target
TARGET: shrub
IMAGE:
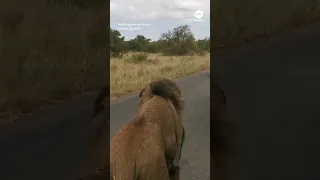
(138, 58)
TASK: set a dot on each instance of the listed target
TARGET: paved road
(195, 162)
(273, 91)
(51, 144)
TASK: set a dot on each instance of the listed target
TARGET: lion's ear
(182, 101)
(141, 93)
(177, 92)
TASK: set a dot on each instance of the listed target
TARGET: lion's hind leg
(154, 166)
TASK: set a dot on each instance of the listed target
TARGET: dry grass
(127, 76)
(49, 50)
(239, 20)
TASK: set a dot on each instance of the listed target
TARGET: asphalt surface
(195, 160)
(273, 92)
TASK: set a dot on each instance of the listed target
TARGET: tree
(204, 44)
(139, 43)
(180, 41)
(153, 47)
(117, 45)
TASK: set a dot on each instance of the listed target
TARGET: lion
(149, 147)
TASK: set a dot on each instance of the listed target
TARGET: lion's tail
(98, 105)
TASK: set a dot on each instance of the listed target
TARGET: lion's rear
(122, 153)
(133, 151)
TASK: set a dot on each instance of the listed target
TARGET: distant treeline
(177, 42)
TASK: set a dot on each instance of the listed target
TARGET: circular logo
(198, 14)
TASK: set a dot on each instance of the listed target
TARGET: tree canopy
(177, 42)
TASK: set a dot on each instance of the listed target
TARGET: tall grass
(127, 75)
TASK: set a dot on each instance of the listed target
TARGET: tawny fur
(148, 147)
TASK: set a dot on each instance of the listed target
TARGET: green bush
(138, 58)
